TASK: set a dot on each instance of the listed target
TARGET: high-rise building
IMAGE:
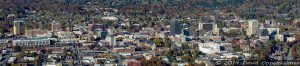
(90, 36)
(252, 27)
(19, 27)
(175, 28)
(216, 30)
(91, 32)
(55, 26)
(111, 39)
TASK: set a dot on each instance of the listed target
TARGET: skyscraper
(91, 32)
(111, 39)
(216, 29)
(252, 27)
(175, 28)
(19, 27)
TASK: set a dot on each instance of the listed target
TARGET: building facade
(19, 27)
(32, 42)
(206, 26)
(175, 28)
(35, 32)
(252, 27)
(55, 26)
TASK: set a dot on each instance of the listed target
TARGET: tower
(19, 27)
(111, 39)
(216, 29)
(175, 28)
(90, 32)
(252, 27)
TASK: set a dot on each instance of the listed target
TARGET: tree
(185, 46)
(277, 42)
(166, 43)
(37, 60)
(187, 58)
(290, 28)
(269, 45)
(281, 28)
(262, 54)
(231, 33)
(157, 42)
(237, 48)
(200, 64)
(195, 53)
(72, 62)
(294, 52)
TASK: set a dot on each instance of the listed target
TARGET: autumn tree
(157, 42)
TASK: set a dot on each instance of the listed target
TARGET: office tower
(90, 32)
(216, 29)
(70, 26)
(90, 36)
(175, 28)
(252, 27)
(19, 27)
(111, 39)
(55, 26)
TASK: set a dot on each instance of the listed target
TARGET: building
(19, 27)
(185, 29)
(55, 26)
(92, 31)
(252, 27)
(175, 28)
(66, 37)
(35, 32)
(216, 30)
(209, 48)
(206, 26)
(111, 39)
(273, 31)
(263, 32)
(90, 37)
(123, 50)
(32, 42)
(133, 63)
(280, 37)
(52, 64)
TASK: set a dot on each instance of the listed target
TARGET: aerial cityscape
(149, 32)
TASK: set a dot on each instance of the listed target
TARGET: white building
(52, 64)
(252, 27)
(66, 37)
(272, 30)
(290, 39)
(32, 42)
(280, 37)
(209, 48)
(216, 30)
(111, 39)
